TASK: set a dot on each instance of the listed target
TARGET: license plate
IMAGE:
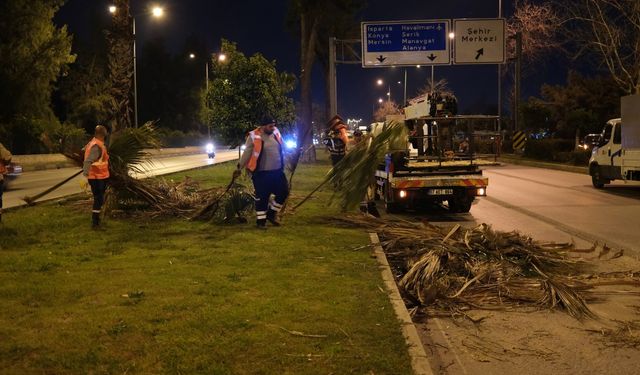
(440, 192)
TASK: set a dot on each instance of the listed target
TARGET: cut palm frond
(353, 175)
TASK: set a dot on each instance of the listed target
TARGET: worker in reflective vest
(5, 159)
(263, 157)
(96, 170)
(336, 139)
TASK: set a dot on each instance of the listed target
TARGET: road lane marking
(561, 226)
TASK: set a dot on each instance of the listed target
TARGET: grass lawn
(178, 297)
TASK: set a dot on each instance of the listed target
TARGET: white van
(617, 154)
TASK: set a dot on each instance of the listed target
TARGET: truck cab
(617, 153)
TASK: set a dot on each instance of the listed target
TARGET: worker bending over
(263, 157)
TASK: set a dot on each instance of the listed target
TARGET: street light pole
(156, 12)
(206, 92)
(135, 76)
(405, 87)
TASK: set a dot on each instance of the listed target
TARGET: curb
(419, 360)
(545, 165)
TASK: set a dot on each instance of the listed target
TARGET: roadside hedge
(556, 150)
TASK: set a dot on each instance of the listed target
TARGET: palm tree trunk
(307, 57)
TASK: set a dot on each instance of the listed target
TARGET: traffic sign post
(479, 41)
(405, 43)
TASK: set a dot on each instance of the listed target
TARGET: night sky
(259, 26)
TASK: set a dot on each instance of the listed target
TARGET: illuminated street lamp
(222, 57)
(192, 56)
(452, 35)
(156, 12)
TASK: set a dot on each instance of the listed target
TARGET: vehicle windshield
(606, 135)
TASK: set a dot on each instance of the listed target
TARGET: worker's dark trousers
(267, 183)
(335, 158)
(98, 188)
(1, 191)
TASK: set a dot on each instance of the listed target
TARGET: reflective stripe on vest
(99, 170)
(256, 137)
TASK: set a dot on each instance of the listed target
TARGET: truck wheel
(596, 179)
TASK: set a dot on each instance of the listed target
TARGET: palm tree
(315, 21)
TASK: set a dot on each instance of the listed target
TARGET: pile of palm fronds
(460, 269)
(158, 197)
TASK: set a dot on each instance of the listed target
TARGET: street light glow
(192, 55)
(418, 66)
(157, 12)
(112, 9)
(222, 57)
(380, 101)
(452, 35)
(379, 82)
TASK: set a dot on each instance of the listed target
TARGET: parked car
(13, 172)
(590, 141)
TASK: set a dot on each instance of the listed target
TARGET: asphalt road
(32, 183)
(553, 205)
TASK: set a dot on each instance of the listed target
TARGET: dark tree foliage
(580, 107)
(33, 54)
(244, 89)
(86, 91)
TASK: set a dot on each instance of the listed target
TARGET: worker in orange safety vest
(263, 158)
(96, 170)
(5, 159)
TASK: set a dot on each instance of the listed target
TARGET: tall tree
(609, 32)
(244, 89)
(581, 106)
(342, 23)
(539, 24)
(33, 55)
(315, 21)
(309, 15)
(120, 60)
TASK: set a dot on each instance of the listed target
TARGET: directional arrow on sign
(480, 53)
(381, 58)
(432, 57)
